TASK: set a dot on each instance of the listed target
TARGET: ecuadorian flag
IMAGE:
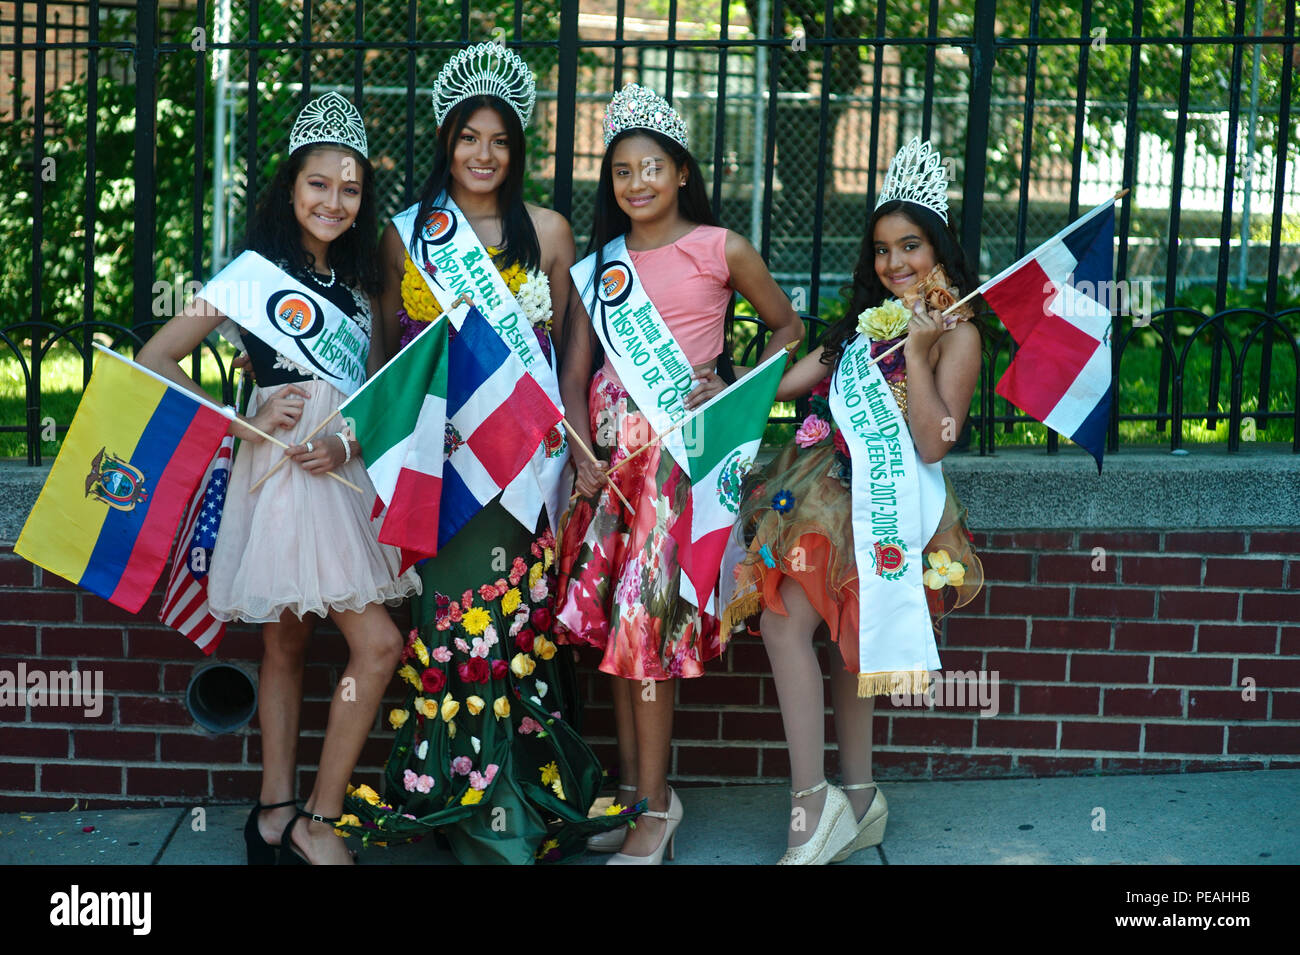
(137, 447)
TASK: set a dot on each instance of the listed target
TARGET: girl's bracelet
(347, 445)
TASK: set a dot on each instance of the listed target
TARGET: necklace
(316, 277)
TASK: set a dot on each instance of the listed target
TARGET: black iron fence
(795, 108)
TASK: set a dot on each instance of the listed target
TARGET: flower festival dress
(619, 576)
(486, 749)
(300, 542)
(797, 515)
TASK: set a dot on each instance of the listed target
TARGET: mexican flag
(400, 417)
(722, 439)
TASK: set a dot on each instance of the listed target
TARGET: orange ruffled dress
(797, 515)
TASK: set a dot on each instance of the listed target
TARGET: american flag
(185, 607)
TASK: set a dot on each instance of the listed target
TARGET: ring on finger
(309, 448)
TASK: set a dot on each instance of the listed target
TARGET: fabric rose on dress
(813, 431)
(408, 780)
(424, 784)
(525, 641)
(461, 645)
(499, 669)
(487, 592)
(475, 670)
(397, 719)
(449, 708)
(474, 704)
(841, 445)
(433, 681)
(522, 665)
(441, 654)
(544, 648)
(461, 765)
(822, 389)
(541, 619)
(529, 725)
(427, 707)
(501, 707)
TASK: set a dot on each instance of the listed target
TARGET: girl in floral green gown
(486, 750)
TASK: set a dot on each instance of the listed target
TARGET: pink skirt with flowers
(618, 586)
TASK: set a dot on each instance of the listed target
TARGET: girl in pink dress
(618, 587)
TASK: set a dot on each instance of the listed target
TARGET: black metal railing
(985, 81)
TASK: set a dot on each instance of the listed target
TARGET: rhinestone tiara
(917, 174)
(329, 118)
(636, 107)
(485, 69)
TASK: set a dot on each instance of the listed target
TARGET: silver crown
(635, 107)
(485, 69)
(917, 174)
(329, 118)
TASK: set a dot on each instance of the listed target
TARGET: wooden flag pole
(279, 443)
(279, 464)
(573, 437)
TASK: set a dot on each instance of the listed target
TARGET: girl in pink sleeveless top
(618, 585)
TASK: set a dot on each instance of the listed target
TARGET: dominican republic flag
(185, 606)
(722, 439)
(497, 415)
(399, 417)
(1056, 304)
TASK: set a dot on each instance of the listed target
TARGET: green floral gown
(486, 747)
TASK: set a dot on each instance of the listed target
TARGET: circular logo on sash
(439, 227)
(615, 283)
(294, 314)
(730, 476)
(889, 554)
(554, 442)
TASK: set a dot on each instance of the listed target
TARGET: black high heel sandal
(293, 856)
(260, 852)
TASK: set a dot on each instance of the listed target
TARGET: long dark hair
(278, 236)
(518, 237)
(609, 221)
(867, 290)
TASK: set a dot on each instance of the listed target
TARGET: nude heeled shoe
(871, 827)
(611, 840)
(834, 829)
(673, 818)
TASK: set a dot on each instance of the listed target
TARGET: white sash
(638, 342)
(897, 504)
(300, 323)
(452, 261)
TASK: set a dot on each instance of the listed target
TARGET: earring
(354, 224)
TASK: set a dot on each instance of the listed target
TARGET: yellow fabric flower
(346, 820)
(421, 651)
(523, 664)
(887, 320)
(451, 730)
(475, 621)
(943, 571)
(397, 718)
(418, 301)
(474, 704)
(510, 602)
(501, 707)
(550, 773)
(449, 708)
(368, 794)
(471, 797)
(426, 707)
(544, 648)
(535, 574)
(613, 809)
(407, 673)
(557, 788)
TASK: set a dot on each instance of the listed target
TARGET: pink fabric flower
(501, 587)
(466, 600)
(813, 431)
(527, 725)
(477, 780)
(461, 645)
(480, 648)
(441, 654)
(499, 669)
(424, 784)
(823, 388)
(841, 445)
(490, 773)
(490, 635)
(487, 592)
(538, 594)
(461, 765)
(408, 780)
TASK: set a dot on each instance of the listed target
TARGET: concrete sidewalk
(1228, 818)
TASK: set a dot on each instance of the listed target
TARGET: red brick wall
(1135, 668)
